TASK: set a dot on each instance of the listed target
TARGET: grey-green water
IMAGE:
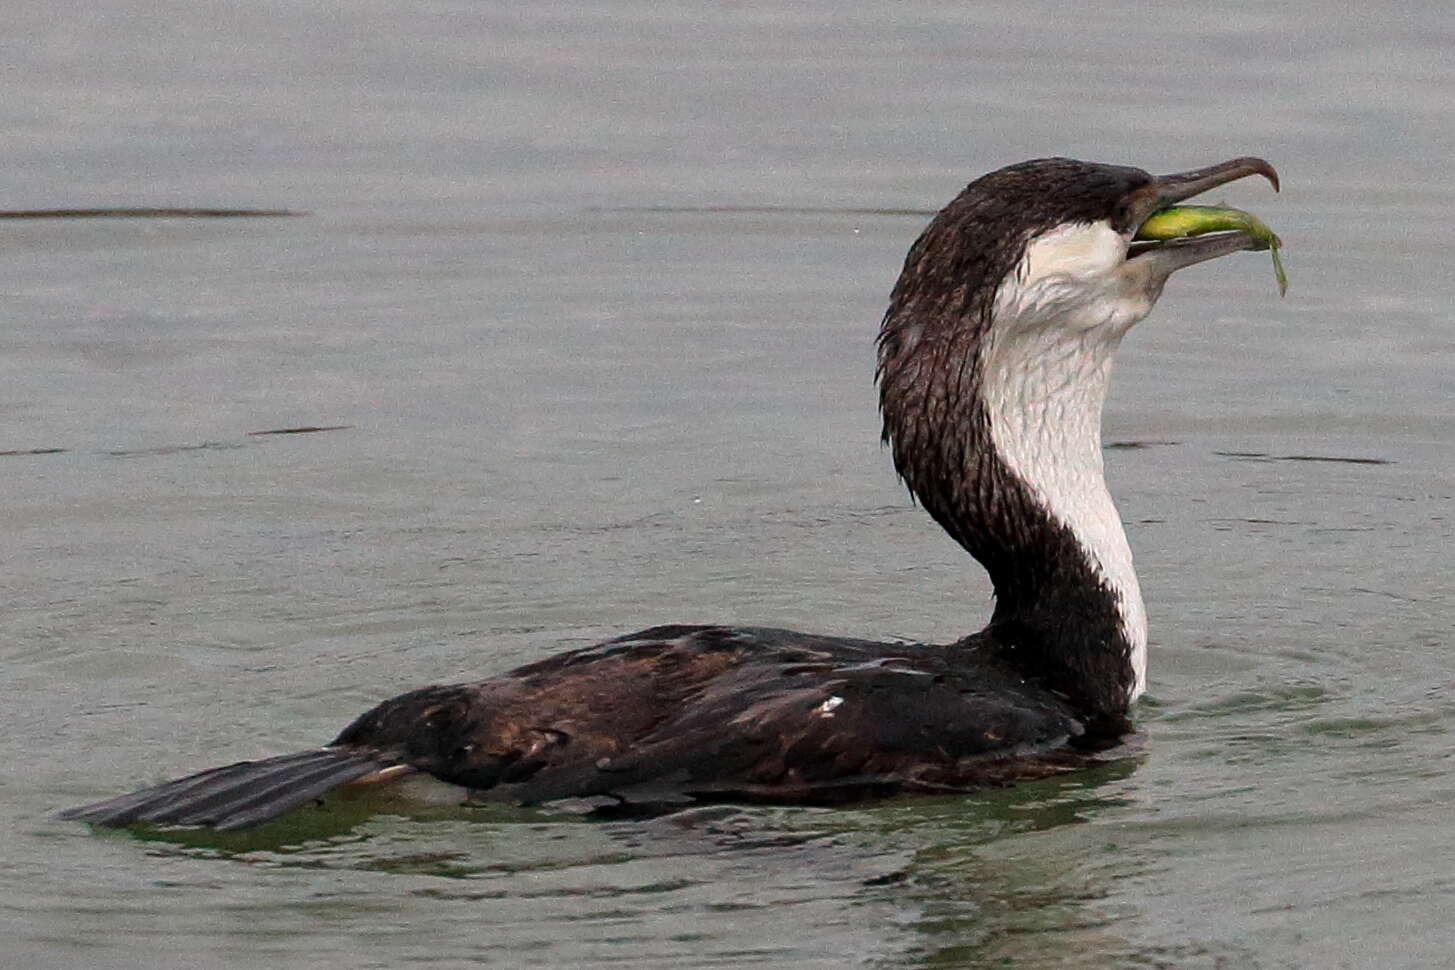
(568, 417)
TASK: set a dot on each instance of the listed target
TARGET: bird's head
(1049, 242)
(1033, 256)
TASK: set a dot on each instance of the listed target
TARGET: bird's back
(723, 712)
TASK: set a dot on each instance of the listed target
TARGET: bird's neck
(1064, 576)
(1001, 442)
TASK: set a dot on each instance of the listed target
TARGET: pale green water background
(569, 417)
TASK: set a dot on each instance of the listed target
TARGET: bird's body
(994, 360)
(672, 713)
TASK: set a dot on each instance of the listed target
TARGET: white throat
(1059, 318)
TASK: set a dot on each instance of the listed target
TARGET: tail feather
(251, 806)
(214, 799)
(237, 795)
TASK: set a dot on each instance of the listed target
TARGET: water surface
(564, 407)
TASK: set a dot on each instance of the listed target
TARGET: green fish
(1179, 221)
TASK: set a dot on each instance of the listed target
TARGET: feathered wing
(834, 731)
